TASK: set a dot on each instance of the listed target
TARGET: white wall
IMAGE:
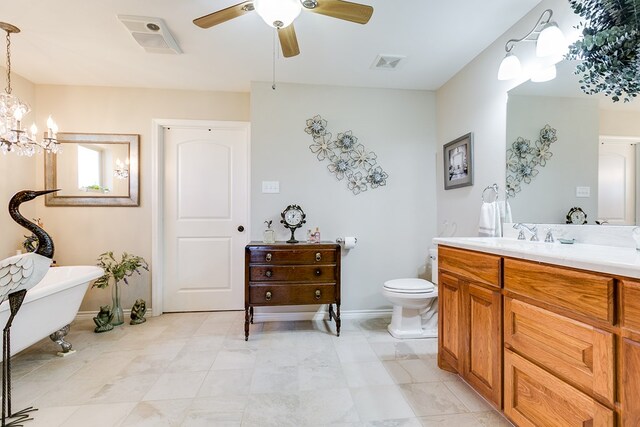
(394, 224)
(475, 101)
(17, 173)
(574, 162)
(82, 233)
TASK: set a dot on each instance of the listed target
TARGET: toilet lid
(409, 285)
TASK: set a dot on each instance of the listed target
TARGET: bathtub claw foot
(58, 338)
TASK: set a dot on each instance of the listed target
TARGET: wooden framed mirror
(93, 169)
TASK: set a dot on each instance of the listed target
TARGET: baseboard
(281, 316)
(91, 314)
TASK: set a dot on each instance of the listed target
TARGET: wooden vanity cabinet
(470, 319)
(630, 353)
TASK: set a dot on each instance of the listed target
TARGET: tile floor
(196, 370)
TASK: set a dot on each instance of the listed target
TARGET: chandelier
(121, 170)
(13, 137)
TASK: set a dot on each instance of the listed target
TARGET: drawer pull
(318, 272)
(318, 256)
(268, 257)
(268, 273)
(318, 294)
(267, 296)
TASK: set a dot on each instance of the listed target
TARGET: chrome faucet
(533, 229)
(549, 237)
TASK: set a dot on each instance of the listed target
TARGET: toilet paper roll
(349, 242)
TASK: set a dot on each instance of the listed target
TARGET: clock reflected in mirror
(292, 218)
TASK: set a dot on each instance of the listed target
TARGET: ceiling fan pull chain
(273, 83)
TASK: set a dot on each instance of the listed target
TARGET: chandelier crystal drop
(14, 138)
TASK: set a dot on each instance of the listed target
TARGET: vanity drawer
(292, 294)
(534, 398)
(299, 273)
(588, 294)
(631, 304)
(483, 268)
(572, 350)
(292, 256)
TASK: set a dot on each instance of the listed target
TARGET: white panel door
(616, 183)
(205, 211)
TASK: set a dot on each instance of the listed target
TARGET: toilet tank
(433, 257)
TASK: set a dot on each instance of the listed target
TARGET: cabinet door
(450, 343)
(534, 397)
(629, 384)
(483, 361)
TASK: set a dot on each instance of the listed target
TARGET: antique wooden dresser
(291, 274)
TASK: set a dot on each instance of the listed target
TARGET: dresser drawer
(291, 294)
(588, 294)
(483, 268)
(298, 273)
(631, 304)
(572, 350)
(534, 398)
(292, 256)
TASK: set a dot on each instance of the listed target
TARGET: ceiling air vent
(150, 33)
(387, 62)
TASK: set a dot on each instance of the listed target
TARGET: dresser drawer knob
(318, 294)
(268, 273)
(267, 296)
(318, 256)
(268, 257)
(318, 272)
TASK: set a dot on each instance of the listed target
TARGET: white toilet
(415, 304)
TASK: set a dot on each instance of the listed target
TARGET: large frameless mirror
(93, 170)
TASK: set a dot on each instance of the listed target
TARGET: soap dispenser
(269, 233)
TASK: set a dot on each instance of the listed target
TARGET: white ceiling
(81, 42)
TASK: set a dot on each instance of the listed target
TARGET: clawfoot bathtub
(49, 307)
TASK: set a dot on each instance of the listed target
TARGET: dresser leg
(330, 312)
(246, 322)
(251, 313)
(338, 318)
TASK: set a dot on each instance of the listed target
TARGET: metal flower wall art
(524, 158)
(346, 156)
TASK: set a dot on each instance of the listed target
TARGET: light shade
(551, 41)
(544, 74)
(278, 13)
(510, 67)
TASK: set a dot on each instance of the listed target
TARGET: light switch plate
(271, 187)
(583, 191)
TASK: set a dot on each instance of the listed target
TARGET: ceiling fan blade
(354, 12)
(215, 18)
(288, 41)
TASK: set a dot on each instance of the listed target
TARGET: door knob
(240, 228)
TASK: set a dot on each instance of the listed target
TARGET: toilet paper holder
(341, 242)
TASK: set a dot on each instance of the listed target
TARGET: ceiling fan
(280, 14)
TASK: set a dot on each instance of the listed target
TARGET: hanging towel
(490, 225)
(505, 212)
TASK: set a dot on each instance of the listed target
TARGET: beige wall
(82, 233)
(476, 101)
(620, 123)
(394, 224)
(17, 173)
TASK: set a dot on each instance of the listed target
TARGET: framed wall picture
(458, 162)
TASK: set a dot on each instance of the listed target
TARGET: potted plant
(608, 48)
(118, 271)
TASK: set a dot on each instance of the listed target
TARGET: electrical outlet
(583, 191)
(271, 187)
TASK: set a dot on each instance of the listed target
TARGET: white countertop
(600, 258)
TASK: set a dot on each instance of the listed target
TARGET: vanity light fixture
(13, 137)
(544, 74)
(550, 43)
(121, 171)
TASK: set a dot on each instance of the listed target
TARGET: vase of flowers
(117, 271)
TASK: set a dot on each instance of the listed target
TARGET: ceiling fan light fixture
(278, 13)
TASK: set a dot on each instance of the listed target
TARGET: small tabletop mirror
(93, 169)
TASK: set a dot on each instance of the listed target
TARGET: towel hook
(493, 187)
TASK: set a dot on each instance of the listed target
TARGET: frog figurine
(103, 319)
(137, 312)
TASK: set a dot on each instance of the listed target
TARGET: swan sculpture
(18, 274)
